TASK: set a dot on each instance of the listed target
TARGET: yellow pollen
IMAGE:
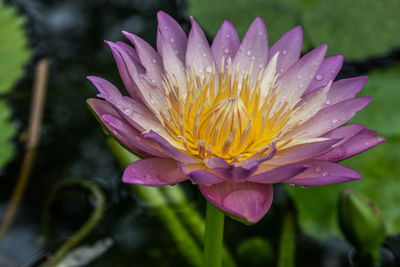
(222, 114)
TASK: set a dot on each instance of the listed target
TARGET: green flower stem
(192, 219)
(214, 236)
(287, 247)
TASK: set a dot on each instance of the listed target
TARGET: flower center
(224, 115)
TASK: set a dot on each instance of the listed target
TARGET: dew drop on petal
(261, 66)
(172, 40)
(260, 33)
(334, 120)
(325, 174)
(318, 169)
(319, 77)
(226, 50)
(152, 101)
(328, 101)
(204, 54)
(333, 71)
(209, 69)
(128, 111)
(299, 77)
(284, 52)
(301, 85)
(248, 52)
(253, 57)
(281, 70)
(154, 60)
(227, 36)
(147, 176)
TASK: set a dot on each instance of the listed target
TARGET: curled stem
(87, 226)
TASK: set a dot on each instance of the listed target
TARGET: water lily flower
(234, 117)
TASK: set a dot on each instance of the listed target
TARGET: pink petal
(169, 30)
(362, 141)
(132, 111)
(330, 67)
(128, 136)
(324, 173)
(302, 152)
(298, 77)
(253, 50)
(278, 174)
(330, 118)
(151, 95)
(246, 201)
(345, 89)
(289, 48)
(149, 58)
(199, 174)
(225, 44)
(127, 68)
(198, 53)
(169, 149)
(153, 172)
(345, 133)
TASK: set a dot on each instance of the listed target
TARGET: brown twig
(35, 120)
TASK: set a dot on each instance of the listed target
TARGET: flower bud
(361, 222)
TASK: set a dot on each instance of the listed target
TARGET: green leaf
(357, 29)
(279, 16)
(317, 206)
(13, 47)
(13, 56)
(7, 132)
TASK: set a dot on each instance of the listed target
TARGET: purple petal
(128, 136)
(345, 89)
(198, 53)
(149, 58)
(225, 44)
(324, 173)
(330, 118)
(132, 111)
(238, 172)
(150, 95)
(153, 172)
(298, 77)
(248, 201)
(330, 67)
(362, 141)
(170, 31)
(131, 52)
(253, 50)
(289, 48)
(302, 152)
(278, 174)
(345, 133)
(199, 174)
(169, 149)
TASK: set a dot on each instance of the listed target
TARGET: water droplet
(172, 40)
(281, 70)
(284, 52)
(157, 129)
(328, 101)
(166, 27)
(253, 57)
(248, 52)
(261, 66)
(319, 77)
(153, 60)
(153, 81)
(325, 174)
(152, 101)
(301, 85)
(147, 176)
(128, 111)
(227, 36)
(209, 69)
(226, 50)
(334, 120)
(299, 77)
(333, 71)
(367, 143)
(204, 54)
(260, 33)
(199, 45)
(318, 169)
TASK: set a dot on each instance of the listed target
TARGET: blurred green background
(70, 33)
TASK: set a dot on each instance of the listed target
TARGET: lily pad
(13, 56)
(357, 29)
(379, 166)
